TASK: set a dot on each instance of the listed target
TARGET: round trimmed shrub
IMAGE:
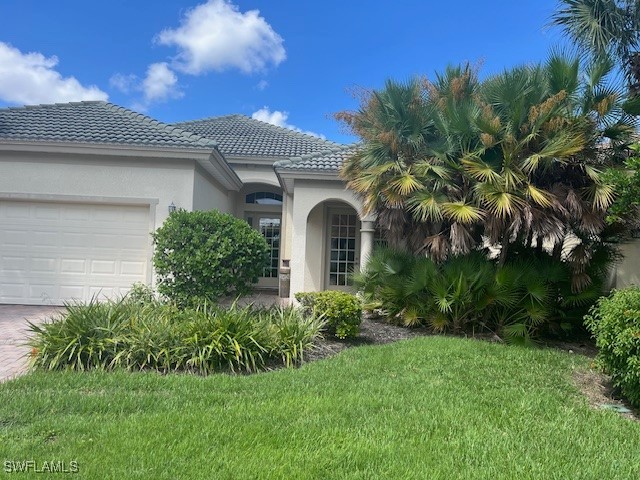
(341, 311)
(207, 255)
(615, 324)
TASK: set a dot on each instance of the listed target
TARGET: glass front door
(343, 249)
(269, 226)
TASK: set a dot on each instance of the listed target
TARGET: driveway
(14, 333)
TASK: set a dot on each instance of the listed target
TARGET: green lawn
(429, 408)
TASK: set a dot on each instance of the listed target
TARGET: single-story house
(82, 186)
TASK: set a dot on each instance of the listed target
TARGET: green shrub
(137, 335)
(530, 294)
(206, 255)
(341, 311)
(615, 324)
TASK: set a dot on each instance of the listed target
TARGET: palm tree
(605, 28)
(452, 165)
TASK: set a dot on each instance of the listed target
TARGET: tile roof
(244, 136)
(94, 122)
(326, 161)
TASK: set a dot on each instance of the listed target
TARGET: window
(264, 198)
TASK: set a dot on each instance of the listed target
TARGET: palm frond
(462, 212)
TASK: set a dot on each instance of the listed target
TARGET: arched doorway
(332, 246)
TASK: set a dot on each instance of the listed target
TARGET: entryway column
(367, 231)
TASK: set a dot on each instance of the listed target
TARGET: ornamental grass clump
(135, 335)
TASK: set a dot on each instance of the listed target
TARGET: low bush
(341, 311)
(615, 324)
(529, 295)
(135, 335)
(207, 255)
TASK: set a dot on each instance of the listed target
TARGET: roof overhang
(287, 178)
(211, 160)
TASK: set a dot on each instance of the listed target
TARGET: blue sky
(290, 62)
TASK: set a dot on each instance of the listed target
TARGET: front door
(343, 248)
(268, 224)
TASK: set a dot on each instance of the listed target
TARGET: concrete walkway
(14, 334)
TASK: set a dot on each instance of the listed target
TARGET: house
(82, 186)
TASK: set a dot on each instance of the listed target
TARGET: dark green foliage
(530, 294)
(341, 311)
(206, 255)
(615, 324)
(137, 335)
(624, 213)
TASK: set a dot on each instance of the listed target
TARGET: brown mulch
(373, 331)
(600, 393)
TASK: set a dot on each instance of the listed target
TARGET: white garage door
(55, 252)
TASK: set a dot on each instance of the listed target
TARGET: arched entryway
(334, 246)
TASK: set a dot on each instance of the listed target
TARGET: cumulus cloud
(124, 83)
(159, 85)
(262, 84)
(279, 119)
(30, 78)
(217, 36)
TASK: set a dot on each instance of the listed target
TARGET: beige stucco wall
(315, 250)
(208, 194)
(307, 195)
(162, 182)
(628, 270)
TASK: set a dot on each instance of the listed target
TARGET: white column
(367, 231)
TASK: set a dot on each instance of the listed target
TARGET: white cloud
(262, 84)
(279, 119)
(217, 36)
(123, 83)
(30, 78)
(159, 84)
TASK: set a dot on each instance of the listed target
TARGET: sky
(293, 63)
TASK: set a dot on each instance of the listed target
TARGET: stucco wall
(256, 174)
(307, 195)
(315, 250)
(209, 194)
(628, 271)
(100, 176)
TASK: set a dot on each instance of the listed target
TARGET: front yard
(431, 407)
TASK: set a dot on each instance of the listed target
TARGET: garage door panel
(73, 266)
(56, 252)
(43, 265)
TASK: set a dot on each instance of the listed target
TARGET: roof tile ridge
(208, 119)
(34, 106)
(289, 130)
(164, 127)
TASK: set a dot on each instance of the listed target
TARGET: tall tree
(454, 164)
(609, 28)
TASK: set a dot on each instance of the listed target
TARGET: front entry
(343, 248)
(268, 224)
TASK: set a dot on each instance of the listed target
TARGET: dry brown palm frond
(580, 281)
(591, 223)
(436, 246)
(461, 240)
(573, 203)
(579, 257)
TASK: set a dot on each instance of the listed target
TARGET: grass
(435, 407)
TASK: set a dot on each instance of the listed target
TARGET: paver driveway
(13, 334)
